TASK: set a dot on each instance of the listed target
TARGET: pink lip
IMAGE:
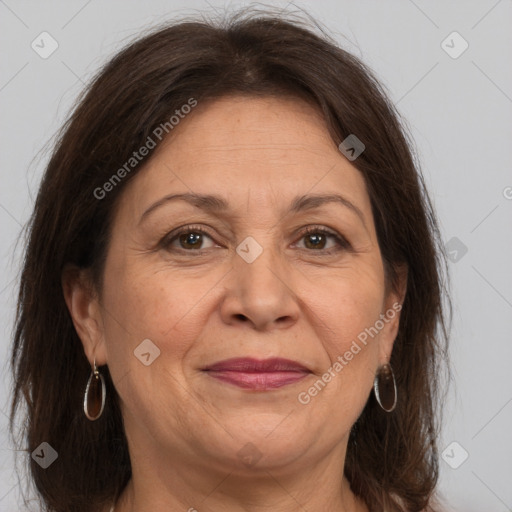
(257, 374)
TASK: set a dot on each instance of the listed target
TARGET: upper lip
(249, 364)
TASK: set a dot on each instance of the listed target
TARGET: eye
(316, 238)
(191, 238)
(188, 238)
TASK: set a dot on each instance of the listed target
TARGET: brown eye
(316, 239)
(188, 238)
(191, 240)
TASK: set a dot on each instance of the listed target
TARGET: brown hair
(392, 459)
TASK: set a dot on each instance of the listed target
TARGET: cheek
(158, 304)
(347, 302)
(161, 307)
(345, 313)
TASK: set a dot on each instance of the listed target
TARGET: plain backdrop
(457, 102)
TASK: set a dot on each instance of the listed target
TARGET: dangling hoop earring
(94, 398)
(384, 387)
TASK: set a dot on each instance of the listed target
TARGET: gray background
(458, 111)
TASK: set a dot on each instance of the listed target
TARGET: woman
(232, 292)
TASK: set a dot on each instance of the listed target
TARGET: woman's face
(243, 280)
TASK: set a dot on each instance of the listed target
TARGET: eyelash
(343, 244)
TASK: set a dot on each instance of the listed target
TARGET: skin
(185, 428)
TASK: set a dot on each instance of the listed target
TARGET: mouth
(259, 375)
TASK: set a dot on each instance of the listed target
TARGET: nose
(260, 294)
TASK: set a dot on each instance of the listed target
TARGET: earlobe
(83, 306)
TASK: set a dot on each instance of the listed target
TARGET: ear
(395, 296)
(84, 307)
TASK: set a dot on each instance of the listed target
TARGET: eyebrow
(213, 203)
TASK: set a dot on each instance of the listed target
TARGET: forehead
(240, 126)
(241, 147)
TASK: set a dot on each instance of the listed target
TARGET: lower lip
(258, 381)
